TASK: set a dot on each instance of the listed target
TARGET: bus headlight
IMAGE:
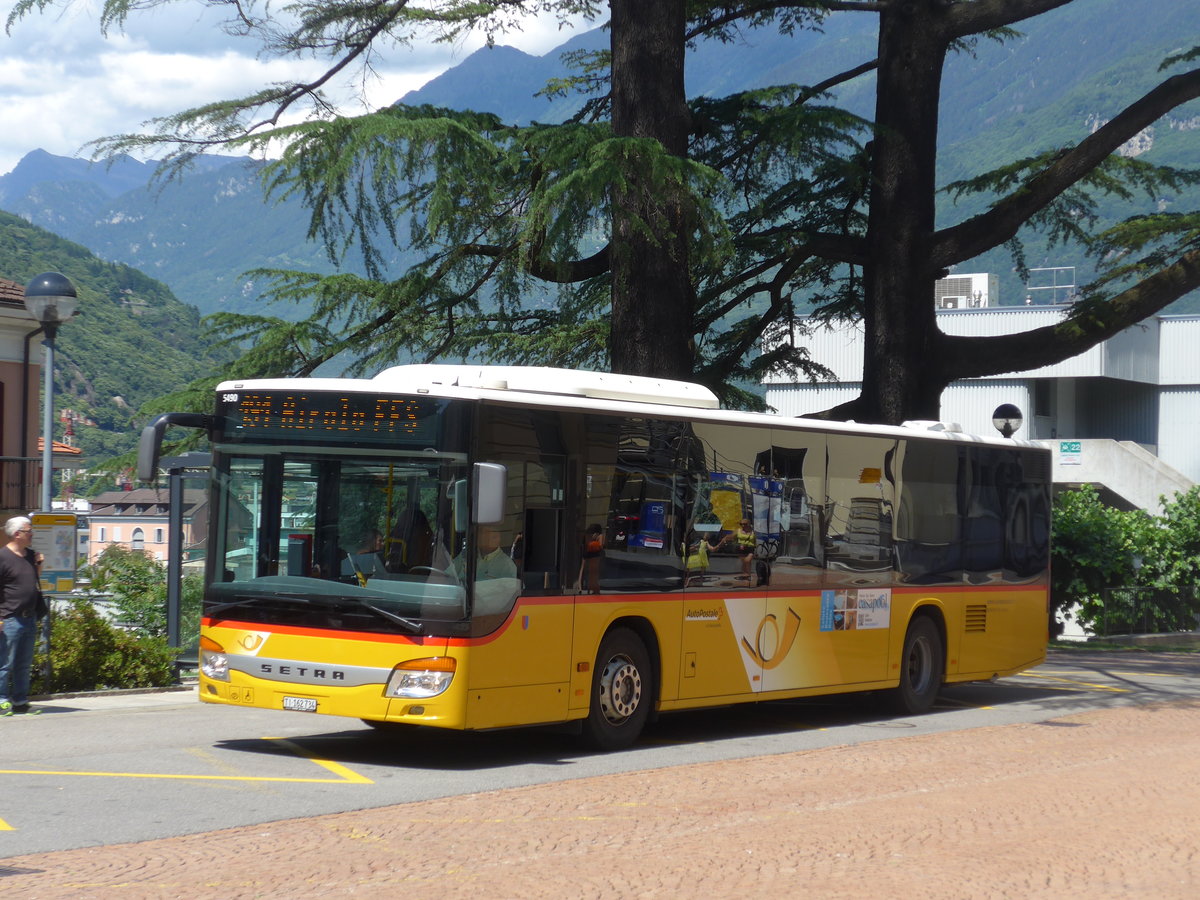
(421, 678)
(214, 664)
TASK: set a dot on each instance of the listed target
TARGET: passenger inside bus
(490, 560)
(411, 541)
(366, 561)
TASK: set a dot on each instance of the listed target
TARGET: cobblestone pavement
(1096, 805)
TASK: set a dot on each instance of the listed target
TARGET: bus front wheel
(621, 692)
(921, 667)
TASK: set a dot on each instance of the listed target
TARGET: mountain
(131, 342)
(1069, 69)
(198, 233)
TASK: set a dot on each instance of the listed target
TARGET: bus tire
(622, 692)
(921, 667)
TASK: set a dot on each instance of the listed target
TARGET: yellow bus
(481, 547)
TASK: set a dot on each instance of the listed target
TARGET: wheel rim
(620, 689)
(920, 665)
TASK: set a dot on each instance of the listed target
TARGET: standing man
(21, 605)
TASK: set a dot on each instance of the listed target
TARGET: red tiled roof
(11, 292)
(58, 448)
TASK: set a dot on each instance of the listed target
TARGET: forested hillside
(131, 342)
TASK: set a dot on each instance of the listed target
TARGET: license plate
(300, 704)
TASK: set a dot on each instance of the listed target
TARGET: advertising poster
(54, 536)
(856, 609)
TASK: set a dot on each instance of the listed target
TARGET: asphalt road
(101, 770)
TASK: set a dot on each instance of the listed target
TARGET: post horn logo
(770, 648)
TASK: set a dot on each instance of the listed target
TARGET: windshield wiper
(412, 625)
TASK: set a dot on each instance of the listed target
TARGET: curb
(117, 692)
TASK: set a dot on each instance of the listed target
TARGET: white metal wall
(839, 349)
(1179, 429)
(1132, 355)
(971, 404)
(1179, 350)
(802, 399)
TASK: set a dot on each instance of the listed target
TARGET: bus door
(725, 620)
(520, 656)
(855, 615)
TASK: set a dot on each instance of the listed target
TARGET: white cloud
(63, 84)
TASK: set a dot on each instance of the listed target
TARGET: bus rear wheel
(921, 667)
(621, 692)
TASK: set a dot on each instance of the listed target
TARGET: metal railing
(20, 478)
(1148, 610)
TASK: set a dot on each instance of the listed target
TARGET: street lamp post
(51, 299)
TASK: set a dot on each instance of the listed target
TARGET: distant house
(139, 520)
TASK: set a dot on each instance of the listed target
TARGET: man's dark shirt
(19, 589)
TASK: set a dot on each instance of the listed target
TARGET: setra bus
(480, 547)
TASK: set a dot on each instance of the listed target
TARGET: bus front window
(338, 541)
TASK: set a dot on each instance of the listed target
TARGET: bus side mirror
(491, 491)
(150, 443)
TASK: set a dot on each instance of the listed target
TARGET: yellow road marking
(1148, 674)
(1084, 684)
(4, 826)
(345, 776)
(168, 777)
(336, 768)
(1087, 672)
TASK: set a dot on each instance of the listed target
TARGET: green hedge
(88, 653)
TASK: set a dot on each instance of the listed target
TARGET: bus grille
(976, 619)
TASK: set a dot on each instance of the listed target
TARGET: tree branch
(740, 13)
(569, 272)
(984, 15)
(1004, 219)
(1087, 325)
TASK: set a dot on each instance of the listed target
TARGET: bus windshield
(350, 539)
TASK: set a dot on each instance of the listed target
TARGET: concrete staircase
(1127, 475)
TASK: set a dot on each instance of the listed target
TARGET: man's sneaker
(6, 708)
(24, 709)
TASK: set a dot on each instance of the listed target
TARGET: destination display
(258, 415)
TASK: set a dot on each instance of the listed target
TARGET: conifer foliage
(655, 235)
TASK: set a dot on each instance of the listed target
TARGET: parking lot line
(1089, 685)
(344, 775)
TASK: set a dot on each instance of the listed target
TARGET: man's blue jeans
(17, 640)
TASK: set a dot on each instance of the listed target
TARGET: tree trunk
(653, 300)
(902, 375)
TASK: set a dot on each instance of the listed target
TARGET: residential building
(140, 520)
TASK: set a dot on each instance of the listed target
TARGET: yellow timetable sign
(54, 536)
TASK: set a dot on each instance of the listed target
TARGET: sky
(63, 84)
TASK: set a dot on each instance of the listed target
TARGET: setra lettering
(266, 668)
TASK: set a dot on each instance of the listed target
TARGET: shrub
(87, 653)
(1127, 570)
(138, 585)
